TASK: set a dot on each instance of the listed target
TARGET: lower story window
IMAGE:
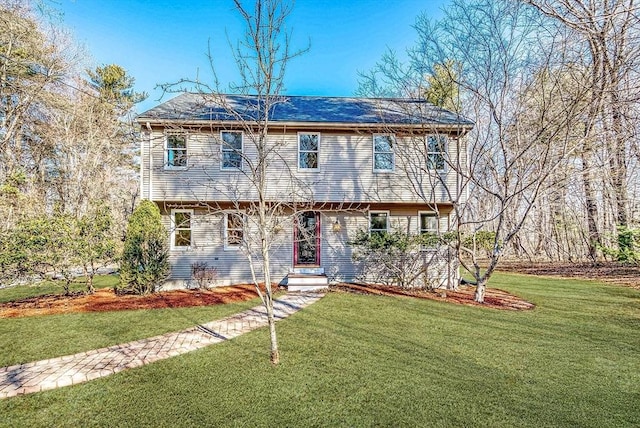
(378, 222)
(233, 230)
(429, 223)
(181, 236)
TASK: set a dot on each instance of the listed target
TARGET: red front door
(306, 239)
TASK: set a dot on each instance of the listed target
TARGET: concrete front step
(306, 282)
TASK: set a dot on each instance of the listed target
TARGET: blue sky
(161, 41)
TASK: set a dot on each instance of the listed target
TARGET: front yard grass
(355, 360)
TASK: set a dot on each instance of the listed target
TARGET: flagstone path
(85, 366)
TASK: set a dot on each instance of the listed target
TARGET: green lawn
(352, 360)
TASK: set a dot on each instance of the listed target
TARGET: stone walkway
(85, 366)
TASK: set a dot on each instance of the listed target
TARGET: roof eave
(462, 126)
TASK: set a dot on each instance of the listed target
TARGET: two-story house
(335, 166)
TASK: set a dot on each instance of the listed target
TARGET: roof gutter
(463, 127)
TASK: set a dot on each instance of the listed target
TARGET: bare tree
(504, 163)
(609, 37)
(261, 55)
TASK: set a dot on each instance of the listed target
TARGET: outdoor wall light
(277, 228)
(337, 227)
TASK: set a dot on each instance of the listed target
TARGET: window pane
(435, 161)
(232, 141)
(177, 158)
(183, 220)
(176, 142)
(309, 142)
(231, 159)
(436, 147)
(435, 144)
(234, 221)
(428, 223)
(308, 160)
(383, 143)
(378, 221)
(183, 238)
(234, 237)
(383, 161)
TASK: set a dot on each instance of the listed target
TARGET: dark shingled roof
(304, 109)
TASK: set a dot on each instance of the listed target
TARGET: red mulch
(494, 298)
(106, 300)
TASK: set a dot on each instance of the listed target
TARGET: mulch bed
(106, 300)
(494, 298)
(609, 272)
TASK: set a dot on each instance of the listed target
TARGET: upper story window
(383, 157)
(181, 228)
(436, 150)
(378, 222)
(231, 150)
(308, 151)
(175, 151)
(233, 230)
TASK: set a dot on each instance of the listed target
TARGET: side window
(383, 157)
(436, 150)
(233, 230)
(231, 150)
(378, 222)
(181, 228)
(175, 151)
(308, 151)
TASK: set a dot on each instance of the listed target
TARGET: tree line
(68, 179)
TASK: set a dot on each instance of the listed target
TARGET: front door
(306, 239)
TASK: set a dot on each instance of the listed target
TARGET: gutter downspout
(149, 138)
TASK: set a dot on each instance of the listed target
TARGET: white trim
(165, 150)
(174, 228)
(379, 212)
(317, 168)
(225, 236)
(222, 144)
(454, 128)
(373, 153)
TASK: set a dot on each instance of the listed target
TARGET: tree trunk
(480, 290)
(591, 208)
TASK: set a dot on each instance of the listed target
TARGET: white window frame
(430, 213)
(392, 152)
(317, 152)
(442, 153)
(379, 212)
(421, 231)
(223, 149)
(225, 219)
(185, 150)
(175, 229)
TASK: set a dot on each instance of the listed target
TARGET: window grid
(378, 222)
(234, 230)
(231, 150)
(429, 223)
(436, 149)
(383, 156)
(176, 151)
(308, 151)
(182, 228)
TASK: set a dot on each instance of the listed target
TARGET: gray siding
(345, 173)
(232, 266)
